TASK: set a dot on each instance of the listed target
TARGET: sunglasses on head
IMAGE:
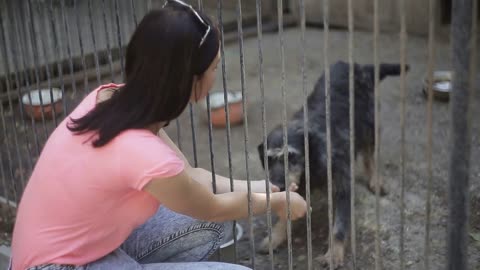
(181, 3)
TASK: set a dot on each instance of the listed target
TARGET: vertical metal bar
(41, 11)
(107, 40)
(192, 122)
(33, 40)
(210, 132)
(132, 5)
(57, 49)
(403, 89)
(244, 106)
(179, 134)
(430, 67)
(210, 143)
(305, 134)
(264, 131)
(326, 7)
(351, 91)
(5, 128)
(7, 147)
(463, 48)
(2, 169)
(285, 132)
(14, 43)
(377, 175)
(119, 37)
(80, 43)
(194, 136)
(10, 104)
(69, 50)
(95, 54)
(12, 52)
(7, 142)
(227, 114)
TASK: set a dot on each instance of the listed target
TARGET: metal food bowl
(217, 108)
(226, 252)
(441, 86)
(44, 101)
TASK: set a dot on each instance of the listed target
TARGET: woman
(111, 190)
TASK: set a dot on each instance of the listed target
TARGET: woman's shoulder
(144, 156)
(142, 142)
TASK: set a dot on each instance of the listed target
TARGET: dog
(340, 142)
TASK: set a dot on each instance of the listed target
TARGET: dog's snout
(277, 176)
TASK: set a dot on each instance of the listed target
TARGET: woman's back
(82, 202)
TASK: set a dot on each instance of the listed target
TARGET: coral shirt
(82, 202)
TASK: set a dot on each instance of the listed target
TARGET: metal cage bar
(463, 25)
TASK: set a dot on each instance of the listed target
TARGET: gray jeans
(166, 241)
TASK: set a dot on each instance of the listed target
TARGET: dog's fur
(340, 128)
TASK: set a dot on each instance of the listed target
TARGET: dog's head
(276, 154)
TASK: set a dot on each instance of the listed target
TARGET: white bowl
(217, 99)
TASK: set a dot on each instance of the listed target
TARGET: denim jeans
(166, 241)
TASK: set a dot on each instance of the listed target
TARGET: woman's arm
(223, 183)
(205, 177)
(189, 197)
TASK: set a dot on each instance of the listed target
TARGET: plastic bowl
(217, 108)
(47, 101)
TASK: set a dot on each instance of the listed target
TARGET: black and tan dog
(364, 145)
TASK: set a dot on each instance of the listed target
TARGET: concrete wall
(389, 15)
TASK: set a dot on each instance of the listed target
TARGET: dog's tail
(391, 70)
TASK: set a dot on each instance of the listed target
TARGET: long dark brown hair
(162, 58)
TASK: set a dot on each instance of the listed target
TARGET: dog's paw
(264, 246)
(279, 235)
(338, 253)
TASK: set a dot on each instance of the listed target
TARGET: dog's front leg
(279, 235)
(369, 165)
(341, 226)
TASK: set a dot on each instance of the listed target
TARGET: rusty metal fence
(72, 46)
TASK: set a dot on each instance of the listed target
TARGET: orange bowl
(235, 113)
(46, 101)
(217, 108)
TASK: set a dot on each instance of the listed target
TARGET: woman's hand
(298, 205)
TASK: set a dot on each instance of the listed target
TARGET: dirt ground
(416, 134)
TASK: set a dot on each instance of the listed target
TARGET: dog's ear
(260, 149)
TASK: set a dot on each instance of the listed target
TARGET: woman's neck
(107, 94)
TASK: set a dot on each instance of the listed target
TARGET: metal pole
(463, 48)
